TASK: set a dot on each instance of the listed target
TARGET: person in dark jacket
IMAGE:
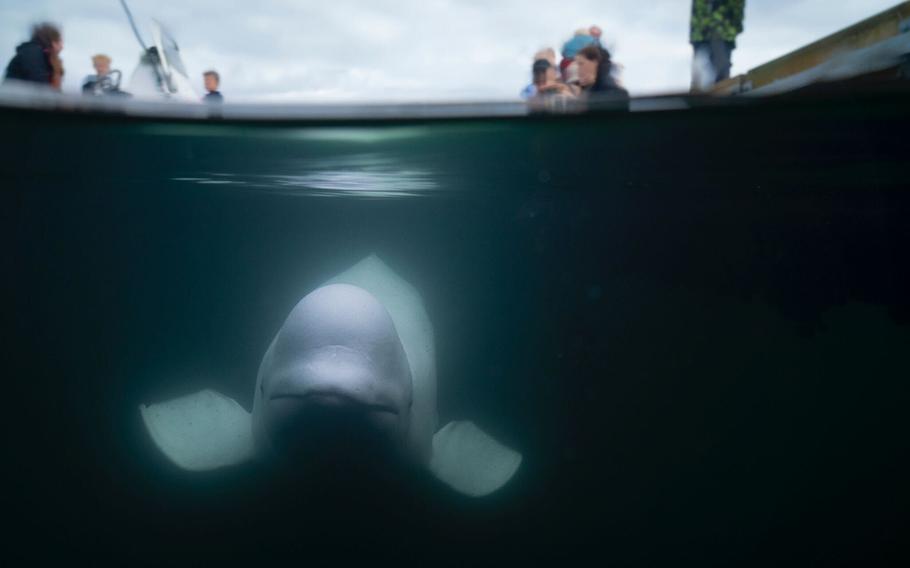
(712, 33)
(212, 80)
(38, 60)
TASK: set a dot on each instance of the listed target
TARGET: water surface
(693, 323)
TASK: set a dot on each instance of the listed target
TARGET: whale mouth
(332, 399)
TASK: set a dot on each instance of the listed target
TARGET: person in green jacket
(713, 30)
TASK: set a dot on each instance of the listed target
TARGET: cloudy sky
(353, 50)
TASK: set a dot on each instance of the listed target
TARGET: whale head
(350, 380)
(335, 378)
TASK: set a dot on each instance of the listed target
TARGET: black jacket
(30, 64)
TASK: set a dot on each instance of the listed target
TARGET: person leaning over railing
(546, 81)
(543, 70)
(38, 60)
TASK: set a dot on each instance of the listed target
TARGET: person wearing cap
(543, 72)
(546, 80)
(712, 32)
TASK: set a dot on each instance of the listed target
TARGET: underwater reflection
(362, 175)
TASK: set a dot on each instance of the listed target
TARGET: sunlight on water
(358, 176)
(372, 135)
(338, 183)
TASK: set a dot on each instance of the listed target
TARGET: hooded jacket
(30, 64)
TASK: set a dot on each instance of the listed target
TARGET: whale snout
(336, 371)
(338, 376)
(330, 399)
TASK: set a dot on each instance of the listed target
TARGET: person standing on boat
(712, 33)
(212, 80)
(38, 60)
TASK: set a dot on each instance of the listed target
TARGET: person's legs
(721, 52)
(703, 71)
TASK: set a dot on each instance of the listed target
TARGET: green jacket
(722, 19)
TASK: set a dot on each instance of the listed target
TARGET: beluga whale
(353, 365)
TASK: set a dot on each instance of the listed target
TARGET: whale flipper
(467, 459)
(201, 431)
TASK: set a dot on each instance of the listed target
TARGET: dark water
(693, 324)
